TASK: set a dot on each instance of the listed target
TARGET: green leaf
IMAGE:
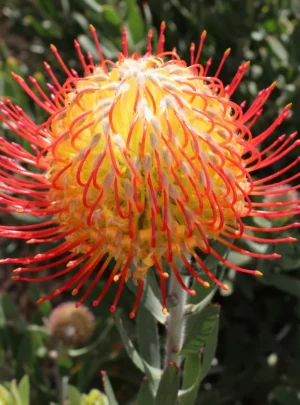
(238, 259)
(15, 392)
(65, 4)
(111, 15)
(9, 312)
(261, 222)
(73, 395)
(147, 14)
(196, 370)
(28, 218)
(108, 389)
(199, 328)
(168, 387)
(204, 295)
(254, 246)
(81, 20)
(27, 353)
(94, 345)
(54, 30)
(46, 7)
(191, 379)
(94, 5)
(277, 48)
(148, 341)
(288, 284)
(290, 256)
(131, 351)
(6, 396)
(135, 21)
(295, 6)
(24, 390)
(210, 350)
(151, 297)
(108, 49)
(45, 307)
(270, 25)
(94, 397)
(211, 261)
(10, 309)
(145, 395)
(286, 396)
(295, 38)
(2, 315)
(153, 374)
(6, 370)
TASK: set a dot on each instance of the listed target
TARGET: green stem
(176, 321)
(59, 349)
(58, 380)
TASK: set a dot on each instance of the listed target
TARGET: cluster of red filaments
(126, 192)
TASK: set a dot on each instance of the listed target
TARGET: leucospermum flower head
(141, 161)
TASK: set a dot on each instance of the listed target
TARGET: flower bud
(280, 202)
(71, 325)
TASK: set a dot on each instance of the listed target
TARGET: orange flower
(141, 160)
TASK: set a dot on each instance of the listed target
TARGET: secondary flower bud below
(71, 325)
(279, 202)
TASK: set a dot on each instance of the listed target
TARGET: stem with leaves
(176, 321)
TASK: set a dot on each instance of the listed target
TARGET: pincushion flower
(142, 161)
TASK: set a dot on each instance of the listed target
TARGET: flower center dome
(146, 158)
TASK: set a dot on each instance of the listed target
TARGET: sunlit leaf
(277, 48)
(24, 390)
(74, 395)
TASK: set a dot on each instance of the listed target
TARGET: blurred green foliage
(258, 356)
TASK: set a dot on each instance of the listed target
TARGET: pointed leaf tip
(108, 388)
(168, 388)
